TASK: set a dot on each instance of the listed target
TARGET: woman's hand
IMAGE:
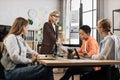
(34, 57)
(36, 54)
(65, 52)
(58, 43)
(82, 54)
(88, 56)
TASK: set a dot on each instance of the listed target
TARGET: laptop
(46, 57)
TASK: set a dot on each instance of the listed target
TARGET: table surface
(62, 62)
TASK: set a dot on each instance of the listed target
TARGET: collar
(20, 37)
(106, 37)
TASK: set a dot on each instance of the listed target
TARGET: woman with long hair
(15, 64)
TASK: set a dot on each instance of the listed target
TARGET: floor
(58, 74)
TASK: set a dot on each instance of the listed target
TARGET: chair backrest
(1, 67)
(0, 49)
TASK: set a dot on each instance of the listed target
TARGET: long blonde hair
(52, 14)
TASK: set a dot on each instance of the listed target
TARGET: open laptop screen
(78, 57)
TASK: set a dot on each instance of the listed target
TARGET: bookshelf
(32, 39)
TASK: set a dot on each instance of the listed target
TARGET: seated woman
(88, 48)
(14, 58)
(108, 51)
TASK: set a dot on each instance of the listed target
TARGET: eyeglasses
(98, 27)
(56, 16)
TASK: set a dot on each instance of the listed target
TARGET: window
(71, 22)
(74, 23)
(89, 15)
(76, 13)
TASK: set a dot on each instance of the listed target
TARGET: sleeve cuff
(29, 60)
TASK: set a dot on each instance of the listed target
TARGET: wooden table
(61, 62)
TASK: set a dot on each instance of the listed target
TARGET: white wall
(109, 6)
(10, 9)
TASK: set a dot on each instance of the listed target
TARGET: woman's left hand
(87, 56)
(33, 57)
(58, 43)
(35, 54)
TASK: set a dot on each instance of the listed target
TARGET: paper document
(62, 48)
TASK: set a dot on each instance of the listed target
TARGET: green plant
(59, 24)
(70, 55)
(30, 21)
(70, 50)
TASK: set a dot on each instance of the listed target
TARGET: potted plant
(70, 55)
(30, 21)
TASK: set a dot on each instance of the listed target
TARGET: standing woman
(50, 34)
(15, 63)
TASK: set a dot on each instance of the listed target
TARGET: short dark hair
(86, 28)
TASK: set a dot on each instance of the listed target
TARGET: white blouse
(13, 49)
(54, 27)
(106, 50)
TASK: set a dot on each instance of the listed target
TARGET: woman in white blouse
(15, 64)
(106, 52)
